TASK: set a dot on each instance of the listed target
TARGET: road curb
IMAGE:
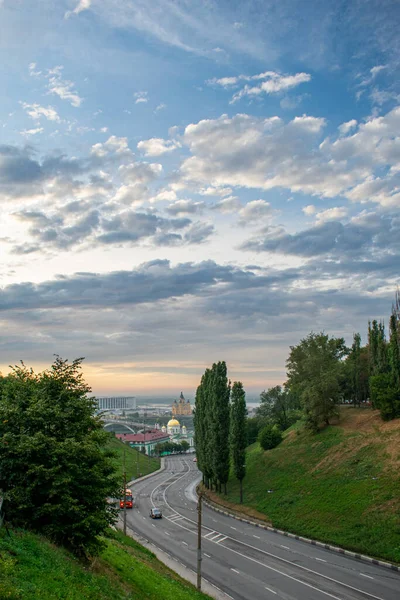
(356, 555)
(162, 468)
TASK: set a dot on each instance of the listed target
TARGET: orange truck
(126, 500)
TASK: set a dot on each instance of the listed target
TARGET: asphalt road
(246, 562)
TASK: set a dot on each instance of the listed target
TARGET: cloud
(157, 146)
(29, 132)
(159, 107)
(309, 210)
(80, 7)
(363, 237)
(271, 83)
(198, 233)
(256, 211)
(35, 111)
(140, 97)
(332, 214)
(228, 205)
(183, 207)
(344, 128)
(254, 152)
(64, 89)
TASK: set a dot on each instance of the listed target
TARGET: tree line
(220, 428)
(171, 448)
(322, 372)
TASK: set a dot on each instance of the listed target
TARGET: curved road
(246, 562)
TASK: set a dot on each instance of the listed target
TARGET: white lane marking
(269, 589)
(166, 533)
(320, 559)
(235, 570)
(233, 528)
(286, 547)
(257, 536)
(221, 540)
(185, 544)
(216, 536)
(208, 556)
(152, 525)
(365, 575)
(211, 533)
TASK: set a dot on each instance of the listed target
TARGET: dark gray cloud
(366, 234)
(150, 282)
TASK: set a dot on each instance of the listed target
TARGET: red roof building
(146, 440)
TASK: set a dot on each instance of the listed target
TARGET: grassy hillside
(136, 462)
(341, 485)
(31, 568)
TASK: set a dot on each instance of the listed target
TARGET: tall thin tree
(238, 434)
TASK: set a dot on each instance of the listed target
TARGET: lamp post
(199, 559)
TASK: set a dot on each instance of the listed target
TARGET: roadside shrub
(269, 437)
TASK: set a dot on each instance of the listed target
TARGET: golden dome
(173, 423)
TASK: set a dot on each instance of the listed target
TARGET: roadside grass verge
(137, 464)
(33, 568)
(341, 486)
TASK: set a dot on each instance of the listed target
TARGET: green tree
(185, 446)
(315, 374)
(220, 409)
(253, 427)
(279, 406)
(238, 437)
(269, 437)
(55, 469)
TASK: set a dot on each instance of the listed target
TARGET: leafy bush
(269, 437)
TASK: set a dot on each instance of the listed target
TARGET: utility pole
(124, 493)
(199, 559)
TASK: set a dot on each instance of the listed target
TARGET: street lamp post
(199, 559)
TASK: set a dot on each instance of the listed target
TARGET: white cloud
(253, 152)
(28, 132)
(348, 126)
(185, 207)
(164, 195)
(228, 205)
(256, 211)
(271, 83)
(62, 88)
(81, 6)
(160, 107)
(309, 210)
(35, 111)
(332, 214)
(140, 97)
(157, 146)
(104, 129)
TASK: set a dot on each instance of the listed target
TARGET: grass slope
(32, 568)
(136, 462)
(341, 486)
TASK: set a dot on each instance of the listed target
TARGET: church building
(181, 407)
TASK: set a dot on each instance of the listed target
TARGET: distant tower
(182, 407)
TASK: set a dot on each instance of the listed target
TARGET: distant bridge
(131, 426)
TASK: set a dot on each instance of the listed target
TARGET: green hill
(136, 463)
(32, 568)
(340, 486)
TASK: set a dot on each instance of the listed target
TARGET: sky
(185, 182)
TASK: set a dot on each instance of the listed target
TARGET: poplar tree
(238, 437)
(220, 394)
